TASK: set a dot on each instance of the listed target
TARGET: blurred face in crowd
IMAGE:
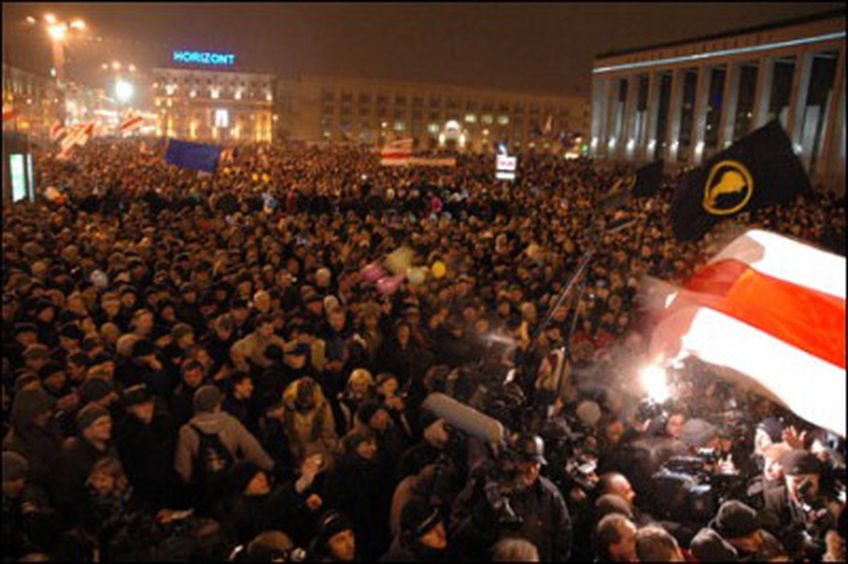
(144, 324)
(625, 549)
(266, 330)
(142, 411)
(100, 430)
(258, 486)
(337, 320)
(342, 546)
(103, 483)
(435, 538)
(193, 377)
(111, 305)
(379, 421)
(367, 449)
(796, 484)
(620, 486)
(244, 388)
(674, 426)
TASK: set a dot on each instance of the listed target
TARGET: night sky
(528, 47)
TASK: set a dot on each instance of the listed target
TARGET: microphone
(466, 419)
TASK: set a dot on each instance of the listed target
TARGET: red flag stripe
(395, 155)
(797, 315)
(131, 122)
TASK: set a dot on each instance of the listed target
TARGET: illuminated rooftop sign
(204, 58)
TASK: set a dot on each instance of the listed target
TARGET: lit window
(238, 94)
(400, 126)
(503, 120)
(487, 119)
(214, 93)
(470, 118)
(222, 118)
(433, 128)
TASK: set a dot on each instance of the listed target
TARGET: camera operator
(525, 504)
(795, 511)
(735, 535)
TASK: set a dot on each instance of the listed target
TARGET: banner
(192, 156)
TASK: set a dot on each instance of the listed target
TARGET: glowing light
(50, 18)
(124, 90)
(57, 32)
(30, 20)
(132, 68)
(78, 24)
(116, 65)
(655, 382)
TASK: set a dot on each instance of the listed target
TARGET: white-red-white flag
(772, 310)
(78, 135)
(132, 122)
(9, 112)
(57, 131)
(396, 153)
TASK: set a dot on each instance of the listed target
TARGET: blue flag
(194, 156)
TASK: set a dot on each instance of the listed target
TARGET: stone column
(600, 95)
(675, 108)
(647, 143)
(830, 165)
(762, 93)
(729, 103)
(699, 117)
(613, 119)
(628, 131)
(798, 96)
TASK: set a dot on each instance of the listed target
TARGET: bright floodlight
(57, 32)
(116, 65)
(123, 90)
(30, 20)
(78, 24)
(50, 18)
(655, 383)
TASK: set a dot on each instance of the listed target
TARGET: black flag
(758, 171)
(641, 184)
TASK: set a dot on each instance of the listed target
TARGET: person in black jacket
(356, 487)
(545, 520)
(34, 433)
(146, 439)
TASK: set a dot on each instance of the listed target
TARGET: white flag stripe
(809, 386)
(783, 258)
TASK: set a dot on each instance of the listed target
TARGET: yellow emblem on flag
(728, 189)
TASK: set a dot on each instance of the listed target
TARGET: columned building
(687, 100)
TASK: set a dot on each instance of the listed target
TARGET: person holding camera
(530, 506)
(795, 511)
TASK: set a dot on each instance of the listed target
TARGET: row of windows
(419, 102)
(400, 125)
(199, 81)
(486, 119)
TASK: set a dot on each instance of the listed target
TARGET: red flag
(131, 123)
(57, 131)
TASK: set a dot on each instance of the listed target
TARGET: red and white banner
(9, 112)
(78, 135)
(57, 131)
(132, 122)
(772, 310)
(396, 153)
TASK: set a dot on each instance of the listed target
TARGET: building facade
(37, 99)
(685, 101)
(371, 112)
(205, 97)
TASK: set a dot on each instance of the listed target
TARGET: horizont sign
(204, 58)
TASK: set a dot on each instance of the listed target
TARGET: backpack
(213, 459)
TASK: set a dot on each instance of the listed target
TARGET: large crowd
(206, 367)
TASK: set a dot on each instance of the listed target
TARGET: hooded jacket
(310, 432)
(39, 445)
(240, 442)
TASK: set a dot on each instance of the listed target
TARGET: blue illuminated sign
(204, 58)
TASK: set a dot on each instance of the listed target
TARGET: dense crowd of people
(206, 367)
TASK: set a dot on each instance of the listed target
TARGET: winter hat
(697, 433)
(354, 439)
(798, 461)
(180, 330)
(36, 351)
(30, 403)
(95, 389)
(242, 473)
(367, 410)
(332, 523)
(207, 398)
(418, 517)
(15, 466)
(71, 331)
(89, 414)
(709, 546)
(136, 395)
(735, 520)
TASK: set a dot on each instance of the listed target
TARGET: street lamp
(58, 33)
(124, 90)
